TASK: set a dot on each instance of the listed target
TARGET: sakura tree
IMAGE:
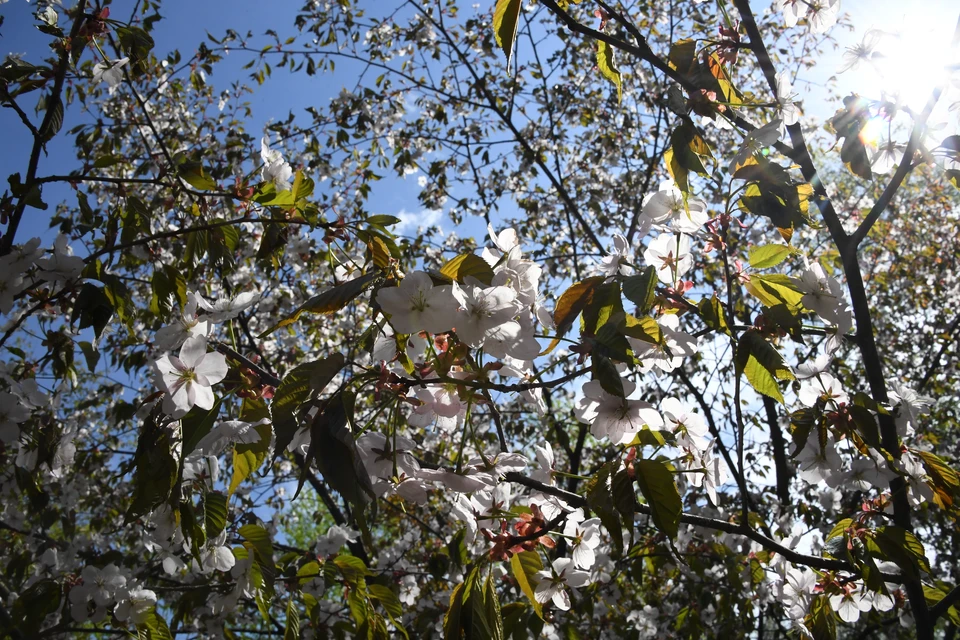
(696, 379)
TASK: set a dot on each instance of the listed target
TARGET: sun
(904, 59)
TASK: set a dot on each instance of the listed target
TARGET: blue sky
(183, 27)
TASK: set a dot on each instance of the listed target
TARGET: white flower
(546, 461)
(849, 606)
(668, 205)
(756, 141)
(822, 14)
(824, 296)
(823, 386)
(335, 537)
(379, 454)
(227, 433)
(188, 324)
(792, 10)
(710, 471)
(585, 538)
(887, 156)
(818, 463)
(688, 426)
(227, 309)
(613, 417)
(670, 255)
(11, 284)
(12, 413)
(668, 354)
(136, 606)
(485, 319)
(467, 482)
(275, 168)
(864, 51)
(98, 585)
(62, 266)
(110, 73)
(789, 113)
(611, 265)
(552, 583)
(417, 305)
(217, 558)
(187, 379)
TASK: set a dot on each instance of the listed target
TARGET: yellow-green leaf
(770, 255)
(525, 566)
(506, 18)
(762, 364)
(468, 264)
(194, 174)
(608, 67)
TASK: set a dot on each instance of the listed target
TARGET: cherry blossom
(275, 168)
(756, 141)
(669, 254)
(553, 583)
(417, 305)
(615, 418)
(227, 308)
(789, 112)
(187, 325)
(584, 535)
(864, 51)
(109, 72)
(611, 264)
(188, 379)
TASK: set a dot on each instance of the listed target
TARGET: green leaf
(333, 448)
(157, 468)
(258, 541)
(452, 619)
(770, 255)
(762, 364)
(683, 55)
(525, 566)
(154, 627)
(304, 382)
(215, 509)
(608, 67)
(605, 305)
(903, 548)
(849, 123)
(330, 301)
(351, 567)
(506, 18)
(197, 424)
(606, 373)
(389, 600)
(382, 220)
(713, 314)
(53, 120)
(600, 501)
(292, 631)
(93, 308)
(659, 489)
(645, 329)
(820, 620)
(194, 174)
(774, 289)
(32, 607)
(641, 290)
(465, 265)
(247, 457)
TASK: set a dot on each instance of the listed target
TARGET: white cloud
(411, 221)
